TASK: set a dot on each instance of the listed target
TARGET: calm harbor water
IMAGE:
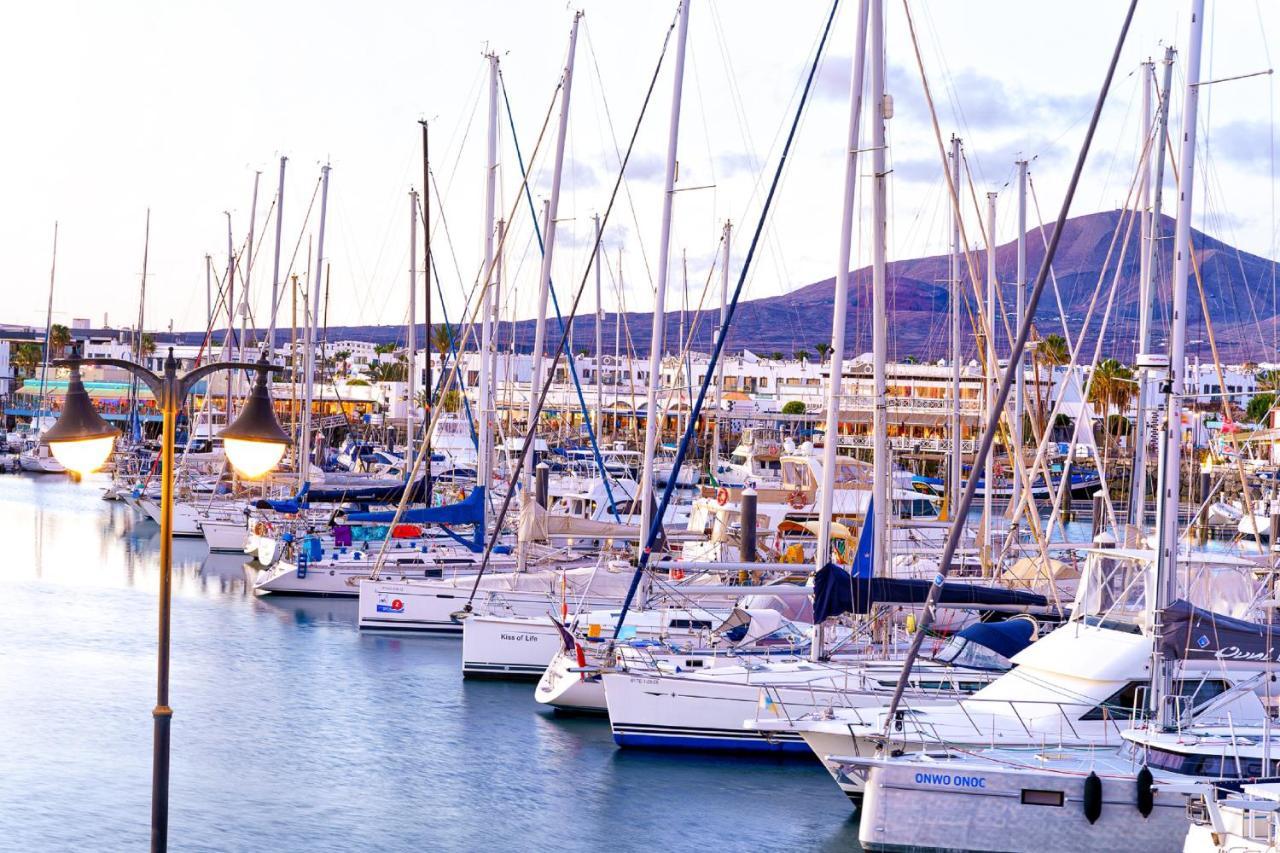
(293, 731)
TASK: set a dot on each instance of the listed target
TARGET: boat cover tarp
(470, 510)
(836, 593)
(385, 492)
(1006, 638)
(1192, 633)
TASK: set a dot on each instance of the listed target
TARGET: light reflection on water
(293, 731)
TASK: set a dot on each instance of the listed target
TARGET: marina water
(294, 731)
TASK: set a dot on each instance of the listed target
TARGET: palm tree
(803, 355)
(341, 357)
(26, 358)
(1053, 351)
(59, 338)
(1111, 388)
(147, 346)
(1268, 380)
(823, 348)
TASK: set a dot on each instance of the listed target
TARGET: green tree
(1268, 380)
(776, 356)
(383, 349)
(26, 358)
(147, 345)
(911, 359)
(793, 407)
(452, 400)
(823, 348)
(59, 338)
(803, 355)
(1259, 407)
(1053, 351)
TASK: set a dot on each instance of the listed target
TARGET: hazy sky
(114, 107)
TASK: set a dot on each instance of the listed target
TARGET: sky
(172, 105)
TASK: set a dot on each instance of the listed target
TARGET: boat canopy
(1192, 633)
(374, 493)
(836, 592)
(470, 510)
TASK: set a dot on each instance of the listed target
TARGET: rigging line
(655, 530)
(555, 303)
(1006, 382)
(288, 273)
(595, 251)
(613, 137)
(485, 274)
(1217, 362)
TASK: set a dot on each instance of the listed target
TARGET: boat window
(1034, 797)
(960, 651)
(691, 624)
(1134, 695)
(1201, 764)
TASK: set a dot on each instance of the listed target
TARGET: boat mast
(648, 494)
(48, 330)
(248, 268)
(1138, 491)
(312, 299)
(993, 377)
(840, 310)
(1167, 510)
(228, 339)
(599, 337)
(1020, 377)
(411, 334)
(428, 266)
(550, 211)
(881, 109)
(275, 265)
(954, 487)
(484, 474)
(714, 461)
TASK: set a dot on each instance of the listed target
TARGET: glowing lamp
(81, 440)
(255, 441)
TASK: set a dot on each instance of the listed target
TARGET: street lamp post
(81, 440)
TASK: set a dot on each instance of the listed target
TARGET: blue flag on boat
(861, 567)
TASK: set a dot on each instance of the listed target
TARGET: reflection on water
(293, 731)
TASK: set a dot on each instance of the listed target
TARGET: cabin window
(1034, 797)
(1194, 692)
(691, 624)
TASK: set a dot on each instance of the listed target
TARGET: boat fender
(1092, 797)
(1146, 797)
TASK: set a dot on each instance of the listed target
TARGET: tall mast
(840, 309)
(1138, 492)
(881, 471)
(993, 377)
(652, 416)
(484, 474)
(208, 292)
(1020, 306)
(1167, 510)
(599, 336)
(275, 265)
(228, 340)
(411, 333)
(48, 326)
(142, 294)
(550, 212)
(248, 266)
(313, 299)
(428, 268)
(954, 487)
(714, 462)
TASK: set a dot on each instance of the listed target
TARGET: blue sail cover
(1193, 634)
(835, 593)
(467, 511)
(1006, 638)
(862, 554)
(379, 494)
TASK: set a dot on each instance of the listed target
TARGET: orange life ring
(797, 500)
(677, 574)
(260, 529)
(722, 496)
